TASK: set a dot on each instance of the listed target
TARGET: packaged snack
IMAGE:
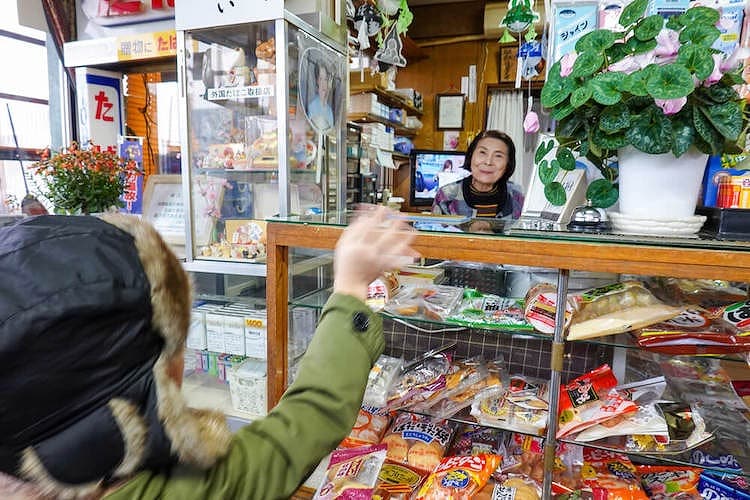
(610, 474)
(352, 473)
(522, 407)
(380, 291)
(369, 428)
(695, 331)
(383, 375)
(398, 481)
(420, 382)
(523, 458)
(616, 308)
(458, 477)
(418, 440)
(481, 310)
(669, 482)
(723, 486)
(431, 302)
(699, 292)
(518, 488)
(541, 308)
(475, 439)
(584, 401)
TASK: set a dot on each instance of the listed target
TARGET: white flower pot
(660, 187)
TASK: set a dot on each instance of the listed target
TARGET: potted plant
(83, 180)
(655, 86)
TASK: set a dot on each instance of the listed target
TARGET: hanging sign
(99, 106)
(146, 45)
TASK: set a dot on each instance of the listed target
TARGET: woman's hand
(375, 242)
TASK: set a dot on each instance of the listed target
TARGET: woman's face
(324, 84)
(489, 161)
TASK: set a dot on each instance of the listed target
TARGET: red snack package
(665, 482)
(610, 475)
(458, 478)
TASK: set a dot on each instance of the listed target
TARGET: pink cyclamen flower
(671, 106)
(627, 65)
(566, 63)
(716, 74)
(531, 122)
(735, 59)
(668, 43)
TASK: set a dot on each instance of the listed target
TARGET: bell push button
(360, 321)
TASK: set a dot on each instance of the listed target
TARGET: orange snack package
(458, 478)
(418, 440)
(611, 475)
(369, 428)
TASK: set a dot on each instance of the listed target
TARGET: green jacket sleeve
(270, 457)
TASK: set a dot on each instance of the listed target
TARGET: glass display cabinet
(262, 124)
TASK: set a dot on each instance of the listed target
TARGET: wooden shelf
(370, 118)
(386, 97)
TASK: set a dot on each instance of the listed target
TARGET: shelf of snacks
(665, 410)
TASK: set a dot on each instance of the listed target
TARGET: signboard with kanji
(99, 95)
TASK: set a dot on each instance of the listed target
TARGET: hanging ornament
(405, 17)
(520, 15)
(507, 37)
(390, 50)
(389, 7)
(531, 120)
(367, 22)
(350, 10)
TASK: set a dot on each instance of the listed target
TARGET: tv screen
(432, 169)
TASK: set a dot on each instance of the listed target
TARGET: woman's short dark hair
(496, 134)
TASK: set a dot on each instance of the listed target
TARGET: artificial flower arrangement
(656, 85)
(83, 180)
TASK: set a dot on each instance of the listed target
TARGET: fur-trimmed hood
(91, 312)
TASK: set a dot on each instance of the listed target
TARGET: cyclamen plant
(655, 84)
(83, 181)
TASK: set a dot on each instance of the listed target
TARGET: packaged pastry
(460, 377)
(380, 291)
(420, 382)
(580, 394)
(398, 481)
(418, 440)
(523, 458)
(369, 428)
(670, 482)
(616, 308)
(429, 302)
(475, 439)
(541, 308)
(521, 407)
(698, 292)
(352, 473)
(482, 310)
(459, 477)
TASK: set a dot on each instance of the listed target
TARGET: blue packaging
(714, 487)
(714, 172)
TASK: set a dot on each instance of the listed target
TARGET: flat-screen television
(431, 169)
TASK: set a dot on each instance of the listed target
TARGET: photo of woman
(320, 89)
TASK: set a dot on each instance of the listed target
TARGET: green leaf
(548, 171)
(635, 82)
(720, 93)
(670, 82)
(562, 112)
(638, 47)
(699, 15)
(712, 138)
(605, 88)
(586, 64)
(596, 41)
(651, 131)
(565, 159)
(632, 12)
(648, 28)
(726, 118)
(580, 96)
(602, 193)
(555, 193)
(557, 88)
(683, 135)
(699, 34)
(697, 60)
(617, 51)
(570, 126)
(614, 118)
(542, 150)
(610, 142)
(674, 23)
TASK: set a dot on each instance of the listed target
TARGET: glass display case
(263, 128)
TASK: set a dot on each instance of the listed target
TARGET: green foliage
(613, 95)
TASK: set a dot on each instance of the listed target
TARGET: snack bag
(476, 439)
(482, 310)
(610, 475)
(430, 302)
(380, 291)
(523, 458)
(666, 482)
(352, 473)
(458, 477)
(420, 383)
(541, 307)
(369, 428)
(418, 440)
(380, 380)
(582, 401)
(723, 486)
(397, 481)
(696, 331)
(698, 292)
(522, 407)
(616, 308)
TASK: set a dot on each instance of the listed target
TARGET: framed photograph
(449, 110)
(508, 63)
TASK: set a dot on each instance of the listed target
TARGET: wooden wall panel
(140, 117)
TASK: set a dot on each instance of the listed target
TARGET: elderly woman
(491, 157)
